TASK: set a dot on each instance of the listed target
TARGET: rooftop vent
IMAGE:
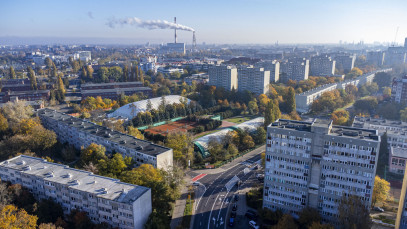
(26, 168)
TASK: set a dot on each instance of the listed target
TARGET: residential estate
(105, 199)
(314, 164)
(81, 133)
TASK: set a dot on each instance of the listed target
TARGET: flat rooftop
(118, 90)
(346, 131)
(103, 187)
(121, 139)
(389, 126)
(110, 84)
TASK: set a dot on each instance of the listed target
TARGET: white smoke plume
(147, 24)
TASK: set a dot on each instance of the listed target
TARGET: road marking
(200, 176)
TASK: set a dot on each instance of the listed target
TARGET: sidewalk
(233, 163)
(179, 207)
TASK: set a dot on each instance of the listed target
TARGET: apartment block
(295, 69)
(345, 61)
(223, 76)
(399, 90)
(105, 199)
(114, 90)
(314, 164)
(252, 79)
(273, 67)
(401, 220)
(81, 133)
(322, 65)
(376, 58)
(395, 56)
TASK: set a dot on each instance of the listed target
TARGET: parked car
(379, 209)
(234, 207)
(236, 198)
(196, 183)
(233, 214)
(251, 215)
(253, 225)
(231, 222)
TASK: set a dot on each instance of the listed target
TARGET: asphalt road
(213, 198)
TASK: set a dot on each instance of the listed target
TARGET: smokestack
(175, 22)
(193, 40)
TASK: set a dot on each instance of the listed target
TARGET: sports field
(180, 125)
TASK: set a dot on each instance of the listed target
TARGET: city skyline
(215, 22)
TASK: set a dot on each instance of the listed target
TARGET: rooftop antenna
(175, 22)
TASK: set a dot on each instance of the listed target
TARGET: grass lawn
(239, 119)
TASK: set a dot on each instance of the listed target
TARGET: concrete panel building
(114, 90)
(345, 61)
(395, 56)
(313, 164)
(295, 69)
(401, 220)
(81, 133)
(223, 76)
(252, 79)
(273, 67)
(376, 57)
(399, 90)
(322, 65)
(105, 199)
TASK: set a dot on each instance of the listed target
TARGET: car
(233, 214)
(379, 209)
(234, 207)
(236, 198)
(231, 222)
(253, 225)
(196, 183)
(251, 215)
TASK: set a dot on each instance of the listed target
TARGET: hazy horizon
(215, 22)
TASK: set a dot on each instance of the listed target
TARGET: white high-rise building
(314, 164)
(255, 80)
(273, 67)
(295, 69)
(105, 199)
(223, 76)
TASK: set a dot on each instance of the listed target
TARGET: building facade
(114, 90)
(223, 76)
(395, 56)
(255, 80)
(376, 58)
(81, 133)
(273, 67)
(399, 90)
(105, 199)
(322, 65)
(295, 69)
(314, 164)
(401, 220)
(345, 61)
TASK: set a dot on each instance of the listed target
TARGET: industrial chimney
(175, 22)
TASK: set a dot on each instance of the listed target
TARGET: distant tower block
(175, 22)
(193, 40)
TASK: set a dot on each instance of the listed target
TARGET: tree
(386, 92)
(259, 136)
(380, 190)
(286, 222)
(113, 167)
(340, 117)
(403, 116)
(61, 85)
(383, 79)
(133, 131)
(33, 79)
(3, 124)
(93, 153)
(49, 211)
(383, 156)
(268, 114)
(253, 108)
(149, 105)
(49, 226)
(317, 225)
(353, 213)
(12, 217)
(182, 146)
(308, 216)
(12, 73)
(16, 111)
(290, 101)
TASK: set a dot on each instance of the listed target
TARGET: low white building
(105, 199)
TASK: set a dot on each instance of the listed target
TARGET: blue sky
(215, 21)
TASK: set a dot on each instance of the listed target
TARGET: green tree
(12, 73)
(353, 213)
(290, 101)
(3, 124)
(113, 167)
(268, 114)
(308, 216)
(383, 79)
(383, 156)
(253, 108)
(182, 146)
(33, 79)
(286, 222)
(49, 211)
(133, 131)
(93, 153)
(259, 136)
